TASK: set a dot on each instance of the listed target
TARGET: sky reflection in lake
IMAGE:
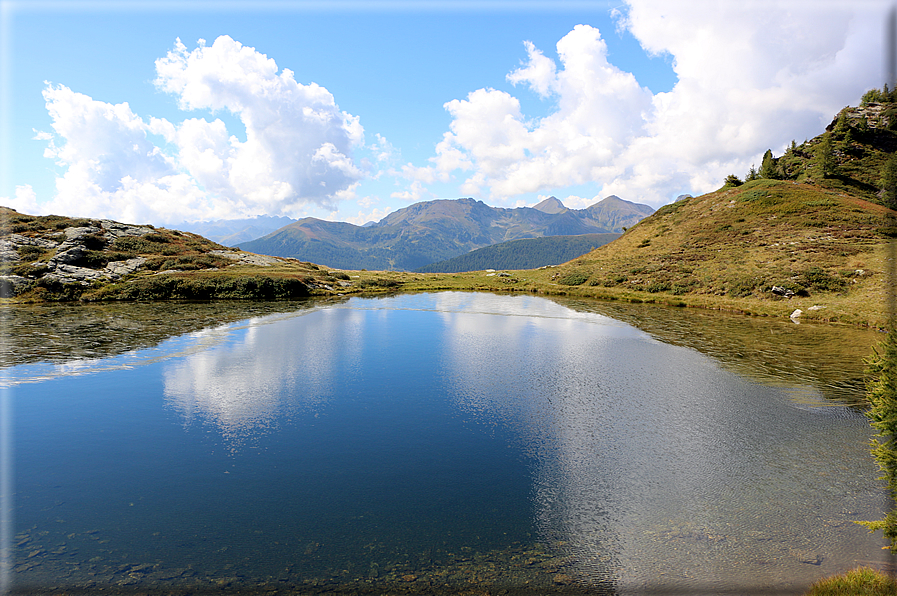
(376, 439)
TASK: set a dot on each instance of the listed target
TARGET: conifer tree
(882, 394)
(842, 126)
(768, 166)
(824, 157)
(732, 180)
(752, 174)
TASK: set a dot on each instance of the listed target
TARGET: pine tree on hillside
(882, 394)
(842, 127)
(823, 157)
(732, 180)
(768, 167)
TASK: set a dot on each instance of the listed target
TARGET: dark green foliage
(820, 280)
(732, 181)
(842, 127)
(339, 275)
(740, 288)
(881, 389)
(528, 253)
(752, 174)
(173, 287)
(143, 245)
(573, 279)
(823, 157)
(889, 114)
(379, 282)
(29, 253)
(52, 290)
(96, 259)
(879, 96)
(94, 241)
(659, 286)
(26, 270)
(768, 168)
(194, 262)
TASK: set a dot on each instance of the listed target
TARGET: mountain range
(232, 231)
(433, 231)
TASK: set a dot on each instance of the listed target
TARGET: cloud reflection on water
(647, 458)
(655, 464)
(246, 384)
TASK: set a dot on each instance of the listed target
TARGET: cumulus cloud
(413, 194)
(599, 110)
(751, 76)
(298, 148)
(24, 201)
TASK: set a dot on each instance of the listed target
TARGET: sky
(163, 112)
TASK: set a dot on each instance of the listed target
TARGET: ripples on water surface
(439, 442)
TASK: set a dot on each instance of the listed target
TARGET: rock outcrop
(71, 246)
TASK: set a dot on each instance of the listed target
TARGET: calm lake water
(433, 443)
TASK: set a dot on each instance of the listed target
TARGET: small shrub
(28, 270)
(29, 253)
(194, 262)
(134, 244)
(93, 241)
(821, 281)
(379, 282)
(659, 286)
(72, 223)
(573, 279)
(740, 288)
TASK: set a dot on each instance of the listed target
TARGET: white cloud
(413, 194)
(363, 217)
(599, 110)
(24, 201)
(298, 148)
(751, 76)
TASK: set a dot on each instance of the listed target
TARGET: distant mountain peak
(551, 205)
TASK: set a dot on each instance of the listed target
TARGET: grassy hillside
(730, 247)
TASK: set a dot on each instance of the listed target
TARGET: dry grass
(861, 581)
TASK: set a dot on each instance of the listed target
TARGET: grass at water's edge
(863, 308)
(862, 581)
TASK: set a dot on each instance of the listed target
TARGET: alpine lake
(445, 443)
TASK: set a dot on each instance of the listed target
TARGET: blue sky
(351, 110)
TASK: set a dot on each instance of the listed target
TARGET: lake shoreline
(829, 308)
